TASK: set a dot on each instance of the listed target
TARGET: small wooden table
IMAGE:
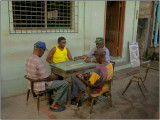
(72, 68)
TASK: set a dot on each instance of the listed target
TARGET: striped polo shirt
(101, 73)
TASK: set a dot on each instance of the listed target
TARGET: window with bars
(43, 16)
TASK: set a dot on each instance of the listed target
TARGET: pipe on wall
(156, 24)
(84, 28)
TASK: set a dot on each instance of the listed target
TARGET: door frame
(122, 21)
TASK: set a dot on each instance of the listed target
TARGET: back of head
(100, 52)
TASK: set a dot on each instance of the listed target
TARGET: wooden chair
(34, 92)
(138, 79)
(106, 93)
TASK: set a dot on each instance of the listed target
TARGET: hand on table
(76, 58)
(87, 60)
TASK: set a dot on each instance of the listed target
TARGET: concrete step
(123, 73)
(122, 65)
(116, 59)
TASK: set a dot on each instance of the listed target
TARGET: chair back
(147, 69)
(113, 64)
(32, 84)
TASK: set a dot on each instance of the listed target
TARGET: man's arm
(69, 54)
(90, 54)
(90, 60)
(49, 57)
(86, 75)
(107, 55)
(80, 78)
(80, 57)
(52, 77)
(90, 57)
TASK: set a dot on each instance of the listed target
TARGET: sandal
(60, 108)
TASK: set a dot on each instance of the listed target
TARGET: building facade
(88, 21)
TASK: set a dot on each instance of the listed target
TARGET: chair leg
(92, 105)
(28, 92)
(79, 97)
(38, 103)
(45, 95)
(110, 99)
(127, 87)
(141, 89)
(145, 87)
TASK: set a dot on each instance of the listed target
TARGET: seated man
(99, 44)
(59, 53)
(103, 72)
(36, 69)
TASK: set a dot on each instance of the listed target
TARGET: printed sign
(134, 54)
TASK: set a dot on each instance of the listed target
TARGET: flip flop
(60, 108)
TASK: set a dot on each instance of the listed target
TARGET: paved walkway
(131, 105)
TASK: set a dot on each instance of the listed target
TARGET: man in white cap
(99, 44)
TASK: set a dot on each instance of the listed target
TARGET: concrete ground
(131, 105)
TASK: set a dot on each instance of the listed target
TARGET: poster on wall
(134, 54)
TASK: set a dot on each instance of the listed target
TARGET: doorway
(114, 27)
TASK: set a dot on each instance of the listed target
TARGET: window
(43, 16)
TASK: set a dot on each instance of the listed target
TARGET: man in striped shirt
(103, 72)
(36, 69)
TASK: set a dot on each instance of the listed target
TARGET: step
(121, 74)
(116, 59)
(122, 65)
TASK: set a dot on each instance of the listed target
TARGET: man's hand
(85, 75)
(76, 58)
(79, 76)
(87, 60)
(80, 57)
(52, 77)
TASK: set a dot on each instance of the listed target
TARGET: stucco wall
(15, 48)
(130, 27)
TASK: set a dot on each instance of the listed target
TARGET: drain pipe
(84, 28)
(156, 25)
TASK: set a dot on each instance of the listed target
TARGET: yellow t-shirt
(60, 55)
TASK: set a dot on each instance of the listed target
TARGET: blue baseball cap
(41, 45)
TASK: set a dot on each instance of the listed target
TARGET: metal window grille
(43, 16)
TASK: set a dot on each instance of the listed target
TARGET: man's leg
(61, 95)
(49, 98)
(77, 86)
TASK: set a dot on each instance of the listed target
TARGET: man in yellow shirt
(102, 73)
(59, 53)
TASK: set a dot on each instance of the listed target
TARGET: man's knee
(65, 83)
(74, 80)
